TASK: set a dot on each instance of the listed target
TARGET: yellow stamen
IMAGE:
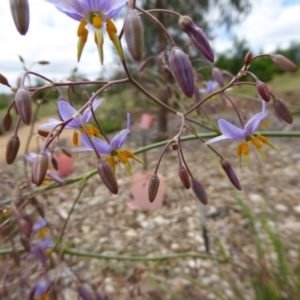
(111, 28)
(75, 138)
(122, 157)
(128, 153)
(263, 138)
(245, 148)
(256, 142)
(239, 150)
(81, 28)
(42, 233)
(97, 22)
(111, 160)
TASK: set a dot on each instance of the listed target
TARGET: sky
(52, 37)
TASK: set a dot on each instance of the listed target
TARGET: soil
(104, 224)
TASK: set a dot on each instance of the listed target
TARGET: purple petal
(40, 224)
(52, 123)
(231, 131)
(216, 139)
(211, 86)
(87, 115)
(254, 122)
(81, 149)
(72, 8)
(67, 111)
(101, 146)
(119, 139)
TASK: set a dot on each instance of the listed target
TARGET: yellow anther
(111, 160)
(263, 139)
(42, 233)
(122, 157)
(110, 26)
(97, 22)
(239, 150)
(128, 153)
(256, 142)
(81, 28)
(245, 148)
(75, 138)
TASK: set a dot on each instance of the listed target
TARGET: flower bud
(248, 58)
(153, 187)
(20, 14)
(134, 35)
(230, 173)
(43, 133)
(25, 227)
(39, 168)
(282, 110)
(217, 76)
(182, 70)
(263, 90)
(12, 149)
(54, 163)
(23, 104)
(199, 191)
(4, 81)
(197, 36)
(66, 151)
(184, 177)
(108, 176)
(283, 63)
(25, 242)
(7, 121)
(84, 293)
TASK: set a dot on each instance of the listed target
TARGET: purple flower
(41, 289)
(96, 14)
(67, 111)
(210, 87)
(230, 131)
(112, 148)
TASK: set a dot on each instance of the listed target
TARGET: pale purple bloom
(41, 288)
(40, 224)
(66, 111)
(210, 87)
(102, 146)
(84, 9)
(230, 131)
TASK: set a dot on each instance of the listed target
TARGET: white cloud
(52, 36)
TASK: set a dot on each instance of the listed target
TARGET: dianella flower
(210, 87)
(66, 111)
(244, 135)
(113, 148)
(96, 15)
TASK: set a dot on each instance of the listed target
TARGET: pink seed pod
(39, 168)
(20, 14)
(153, 187)
(199, 191)
(108, 176)
(12, 149)
(263, 91)
(282, 110)
(184, 177)
(134, 35)
(197, 36)
(283, 63)
(230, 173)
(182, 70)
(24, 105)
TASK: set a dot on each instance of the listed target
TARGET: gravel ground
(102, 223)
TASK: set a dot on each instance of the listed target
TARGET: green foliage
(5, 101)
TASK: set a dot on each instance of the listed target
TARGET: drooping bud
(197, 36)
(230, 173)
(39, 168)
(84, 293)
(43, 133)
(182, 70)
(54, 163)
(25, 242)
(108, 176)
(184, 177)
(283, 63)
(263, 90)
(24, 105)
(20, 14)
(153, 187)
(43, 62)
(12, 149)
(66, 151)
(199, 191)
(282, 110)
(7, 121)
(217, 76)
(248, 58)
(4, 81)
(134, 35)
(25, 227)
